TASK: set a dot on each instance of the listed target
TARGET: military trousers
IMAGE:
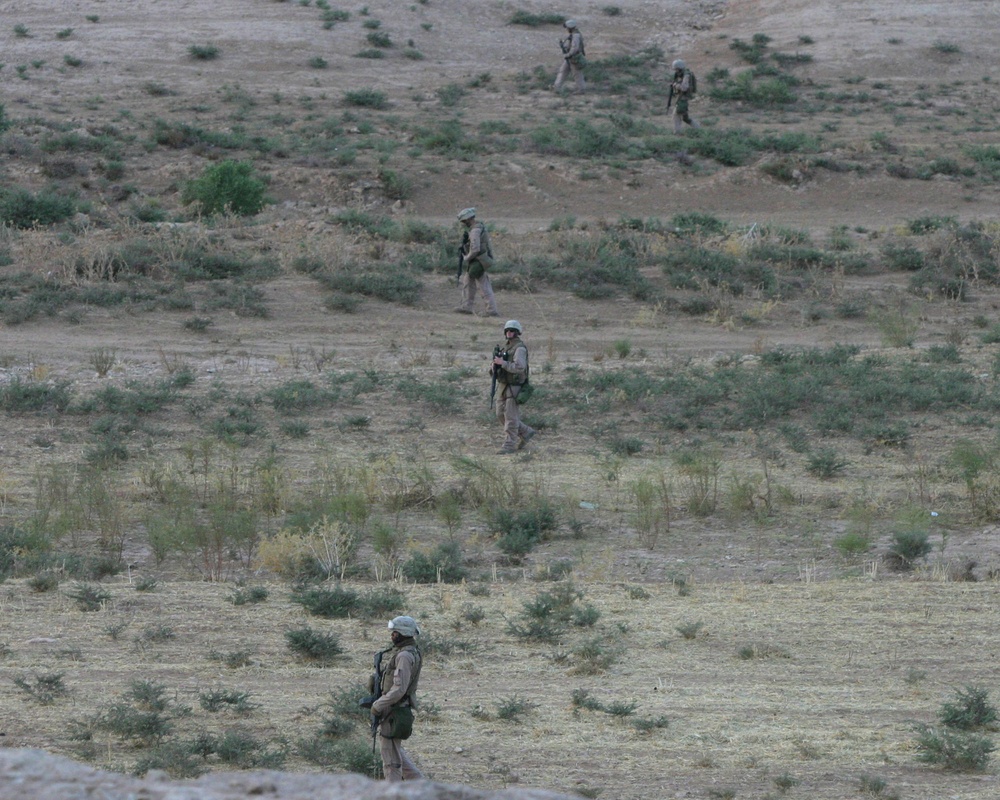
(564, 72)
(482, 283)
(509, 414)
(396, 764)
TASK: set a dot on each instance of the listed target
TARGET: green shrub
(335, 603)
(231, 186)
(521, 530)
(89, 597)
(512, 709)
(971, 710)
(215, 700)
(311, 645)
(367, 98)
(379, 39)
(826, 463)
(203, 52)
(535, 20)
(22, 209)
(443, 564)
(251, 595)
(908, 546)
(957, 751)
(45, 689)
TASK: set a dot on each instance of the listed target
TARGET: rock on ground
(34, 774)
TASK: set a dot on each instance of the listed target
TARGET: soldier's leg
(511, 424)
(561, 75)
(581, 84)
(392, 761)
(410, 771)
(677, 119)
(486, 289)
(468, 294)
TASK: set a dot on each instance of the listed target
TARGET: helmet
(513, 325)
(406, 626)
(679, 64)
(466, 213)
(570, 24)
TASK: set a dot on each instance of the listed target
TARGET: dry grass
(839, 705)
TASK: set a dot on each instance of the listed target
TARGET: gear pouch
(400, 722)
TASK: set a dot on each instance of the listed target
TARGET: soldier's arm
(475, 243)
(574, 45)
(685, 85)
(400, 682)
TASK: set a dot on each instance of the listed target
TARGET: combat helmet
(466, 213)
(513, 325)
(679, 64)
(570, 24)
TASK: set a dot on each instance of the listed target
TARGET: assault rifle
(564, 44)
(367, 702)
(670, 97)
(498, 350)
(461, 254)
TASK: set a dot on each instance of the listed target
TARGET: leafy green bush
(908, 546)
(335, 603)
(443, 564)
(971, 710)
(22, 209)
(313, 645)
(367, 98)
(535, 20)
(227, 186)
(520, 530)
(957, 751)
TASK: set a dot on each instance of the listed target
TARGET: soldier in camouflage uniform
(683, 88)
(399, 689)
(573, 57)
(477, 257)
(511, 370)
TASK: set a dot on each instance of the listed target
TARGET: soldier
(393, 709)
(573, 57)
(477, 257)
(682, 89)
(510, 368)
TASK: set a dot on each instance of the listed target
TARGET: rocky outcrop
(37, 775)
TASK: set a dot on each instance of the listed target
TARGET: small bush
(216, 700)
(367, 98)
(512, 709)
(690, 630)
(251, 595)
(379, 39)
(22, 209)
(443, 564)
(231, 186)
(826, 463)
(89, 597)
(971, 710)
(203, 52)
(957, 751)
(335, 603)
(908, 546)
(44, 689)
(536, 20)
(313, 646)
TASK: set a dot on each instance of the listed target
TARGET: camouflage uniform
(511, 369)
(572, 58)
(399, 688)
(682, 85)
(477, 259)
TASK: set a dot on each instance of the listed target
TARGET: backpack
(693, 82)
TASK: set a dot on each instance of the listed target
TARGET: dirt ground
(838, 697)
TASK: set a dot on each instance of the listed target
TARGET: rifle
(564, 44)
(670, 98)
(367, 702)
(498, 350)
(461, 254)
